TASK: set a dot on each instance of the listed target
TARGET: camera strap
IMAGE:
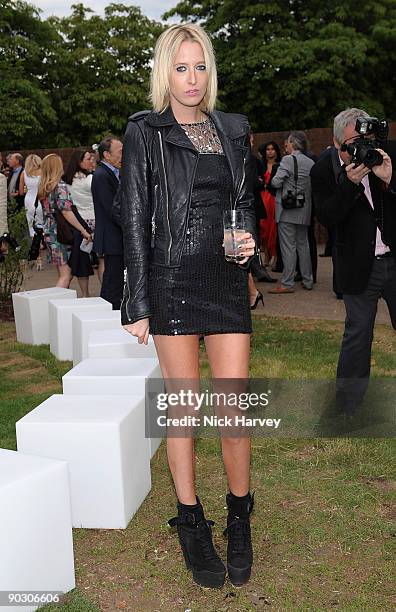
(295, 173)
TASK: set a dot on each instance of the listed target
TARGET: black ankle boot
(195, 537)
(239, 549)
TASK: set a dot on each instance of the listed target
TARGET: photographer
(354, 188)
(293, 212)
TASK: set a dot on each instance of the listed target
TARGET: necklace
(202, 120)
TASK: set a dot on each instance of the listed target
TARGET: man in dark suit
(15, 163)
(108, 235)
(360, 203)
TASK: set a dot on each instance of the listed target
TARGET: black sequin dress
(206, 294)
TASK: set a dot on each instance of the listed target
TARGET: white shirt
(81, 194)
(380, 247)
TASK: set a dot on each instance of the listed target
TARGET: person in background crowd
(95, 155)
(293, 223)
(6, 170)
(313, 250)
(55, 196)
(3, 205)
(271, 156)
(360, 204)
(257, 271)
(15, 163)
(28, 186)
(78, 177)
(94, 162)
(3, 215)
(108, 235)
(2, 163)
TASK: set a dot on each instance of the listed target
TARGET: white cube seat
(111, 376)
(102, 439)
(36, 552)
(118, 343)
(154, 444)
(60, 322)
(32, 315)
(86, 321)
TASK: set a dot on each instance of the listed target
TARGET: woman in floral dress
(55, 196)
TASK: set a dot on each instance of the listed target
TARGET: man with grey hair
(293, 176)
(15, 163)
(360, 203)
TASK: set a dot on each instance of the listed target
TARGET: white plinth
(31, 313)
(36, 552)
(154, 445)
(111, 376)
(85, 322)
(118, 343)
(60, 322)
(102, 439)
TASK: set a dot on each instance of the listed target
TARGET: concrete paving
(320, 303)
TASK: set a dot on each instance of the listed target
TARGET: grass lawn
(324, 522)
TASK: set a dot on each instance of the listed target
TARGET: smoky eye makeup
(183, 67)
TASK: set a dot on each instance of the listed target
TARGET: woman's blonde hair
(33, 165)
(166, 49)
(51, 174)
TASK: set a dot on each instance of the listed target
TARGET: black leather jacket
(158, 169)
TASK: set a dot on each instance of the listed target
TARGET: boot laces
(203, 532)
(204, 536)
(238, 532)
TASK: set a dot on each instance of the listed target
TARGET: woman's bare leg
(228, 356)
(65, 276)
(179, 359)
(83, 282)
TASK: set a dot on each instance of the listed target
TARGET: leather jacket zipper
(241, 182)
(188, 206)
(124, 296)
(167, 196)
(153, 225)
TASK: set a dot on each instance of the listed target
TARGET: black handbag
(64, 231)
(293, 200)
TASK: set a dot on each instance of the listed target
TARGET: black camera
(292, 200)
(362, 149)
(10, 240)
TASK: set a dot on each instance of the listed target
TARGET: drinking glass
(234, 228)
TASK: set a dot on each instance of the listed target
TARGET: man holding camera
(354, 189)
(293, 212)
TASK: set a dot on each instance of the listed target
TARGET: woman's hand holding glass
(247, 246)
(140, 329)
(238, 242)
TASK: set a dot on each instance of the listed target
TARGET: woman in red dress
(271, 155)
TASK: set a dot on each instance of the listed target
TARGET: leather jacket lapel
(234, 151)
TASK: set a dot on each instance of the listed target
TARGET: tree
(99, 71)
(296, 63)
(26, 106)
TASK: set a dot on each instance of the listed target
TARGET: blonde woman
(28, 186)
(55, 196)
(184, 165)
